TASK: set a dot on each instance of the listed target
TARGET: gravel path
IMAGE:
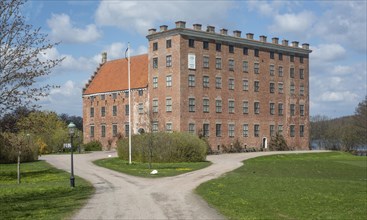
(120, 196)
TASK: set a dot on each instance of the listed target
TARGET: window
(291, 72)
(302, 90)
(293, 108)
(301, 130)
(256, 68)
(292, 88)
(155, 126)
(257, 107)
(169, 61)
(155, 46)
(141, 108)
(272, 108)
(218, 63)
(191, 104)
(256, 51)
(272, 55)
(127, 130)
(231, 49)
(231, 106)
(191, 43)
(114, 130)
(256, 130)
(291, 57)
(218, 82)
(155, 62)
(206, 45)
(245, 107)
(218, 106)
(155, 105)
(280, 87)
(280, 56)
(92, 131)
(155, 82)
(169, 127)
(205, 105)
(231, 65)
(231, 130)
(280, 129)
(168, 104)
(206, 62)
(127, 109)
(245, 51)
(231, 84)
(114, 110)
(103, 130)
(280, 109)
(245, 130)
(206, 81)
(192, 128)
(245, 85)
(218, 130)
(127, 94)
(272, 87)
(256, 86)
(302, 110)
(272, 130)
(91, 112)
(169, 81)
(103, 97)
(245, 66)
(103, 111)
(191, 80)
(301, 74)
(280, 71)
(301, 59)
(114, 95)
(206, 130)
(218, 47)
(168, 43)
(271, 70)
(292, 130)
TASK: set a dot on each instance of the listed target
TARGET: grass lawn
(44, 192)
(142, 169)
(303, 186)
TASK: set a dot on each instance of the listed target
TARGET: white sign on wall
(192, 61)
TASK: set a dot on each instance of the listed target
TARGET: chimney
(180, 24)
(306, 46)
(197, 27)
(223, 31)
(210, 29)
(237, 33)
(250, 36)
(275, 40)
(152, 31)
(285, 42)
(104, 57)
(163, 27)
(263, 38)
(295, 43)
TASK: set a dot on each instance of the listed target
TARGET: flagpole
(128, 66)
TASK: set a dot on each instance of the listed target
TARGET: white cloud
(142, 15)
(327, 53)
(293, 23)
(116, 50)
(342, 70)
(63, 30)
(345, 96)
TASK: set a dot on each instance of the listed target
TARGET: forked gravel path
(120, 196)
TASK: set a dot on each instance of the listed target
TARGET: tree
(278, 143)
(360, 122)
(21, 61)
(9, 121)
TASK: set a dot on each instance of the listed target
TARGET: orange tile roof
(113, 75)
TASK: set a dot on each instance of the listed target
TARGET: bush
(93, 146)
(163, 148)
(278, 143)
(10, 144)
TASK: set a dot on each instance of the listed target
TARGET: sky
(335, 30)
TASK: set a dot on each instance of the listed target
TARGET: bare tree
(21, 62)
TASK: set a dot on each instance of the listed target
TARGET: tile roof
(113, 75)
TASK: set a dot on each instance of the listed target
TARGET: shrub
(10, 143)
(278, 143)
(93, 146)
(163, 148)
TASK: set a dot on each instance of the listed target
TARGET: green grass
(142, 169)
(303, 186)
(44, 192)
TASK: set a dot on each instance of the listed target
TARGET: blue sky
(335, 30)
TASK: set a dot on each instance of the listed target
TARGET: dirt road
(120, 196)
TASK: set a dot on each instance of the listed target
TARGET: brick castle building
(225, 87)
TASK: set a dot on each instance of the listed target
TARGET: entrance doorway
(265, 143)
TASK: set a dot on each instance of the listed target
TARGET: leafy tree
(21, 61)
(278, 143)
(77, 120)
(9, 121)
